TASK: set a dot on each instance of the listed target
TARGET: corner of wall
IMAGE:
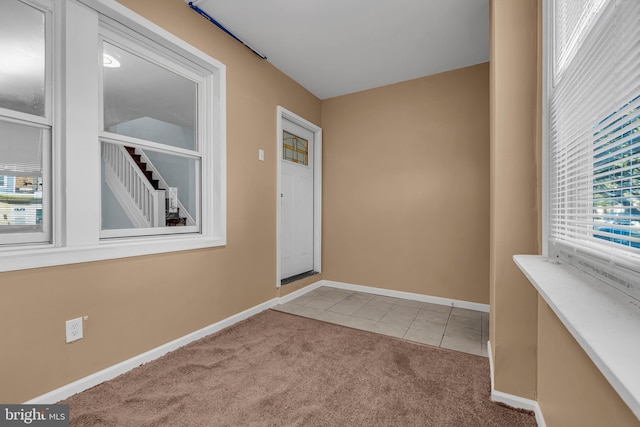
(514, 194)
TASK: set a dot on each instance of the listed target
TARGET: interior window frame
(124, 39)
(44, 122)
(75, 164)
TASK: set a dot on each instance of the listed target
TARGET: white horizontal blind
(575, 20)
(594, 130)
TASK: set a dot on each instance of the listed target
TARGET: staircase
(140, 190)
(172, 219)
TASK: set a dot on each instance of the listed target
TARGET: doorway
(299, 197)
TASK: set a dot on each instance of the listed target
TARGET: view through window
(25, 123)
(594, 139)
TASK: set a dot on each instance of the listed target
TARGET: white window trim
(75, 214)
(613, 265)
(114, 34)
(44, 122)
(603, 320)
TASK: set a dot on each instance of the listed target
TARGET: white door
(296, 200)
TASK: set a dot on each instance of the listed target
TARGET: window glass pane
(145, 188)
(144, 100)
(574, 20)
(595, 130)
(295, 149)
(616, 171)
(22, 58)
(21, 169)
(182, 176)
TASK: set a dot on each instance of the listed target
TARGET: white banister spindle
(184, 212)
(158, 203)
(149, 202)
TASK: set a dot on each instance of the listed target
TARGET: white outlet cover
(74, 329)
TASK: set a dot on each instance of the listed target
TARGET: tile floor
(438, 325)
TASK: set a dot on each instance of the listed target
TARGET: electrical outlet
(74, 329)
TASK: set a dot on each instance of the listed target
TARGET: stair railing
(143, 204)
(163, 184)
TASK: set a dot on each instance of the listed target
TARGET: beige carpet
(277, 369)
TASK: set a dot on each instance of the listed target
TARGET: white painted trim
(127, 365)
(142, 25)
(75, 214)
(490, 354)
(546, 89)
(603, 320)
(408, 295)
(283, 113)
(539, 417)
(513, 400)
(293, 295)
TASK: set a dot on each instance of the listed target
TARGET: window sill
(48, 256)
(603, 320)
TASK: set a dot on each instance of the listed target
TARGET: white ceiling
(335, 47)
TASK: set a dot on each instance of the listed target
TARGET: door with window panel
(25, 121)
(296, 201)
(151, 153)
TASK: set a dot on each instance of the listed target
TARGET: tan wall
(514, 192)
(571, 390)
(139, 303)
(384, 172)
(406, 186)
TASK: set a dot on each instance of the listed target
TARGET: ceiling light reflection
(109, 61)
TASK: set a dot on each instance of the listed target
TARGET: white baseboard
(511, 399)
(127, 365)
(539, 417)
(408, 295)
(299, 292)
